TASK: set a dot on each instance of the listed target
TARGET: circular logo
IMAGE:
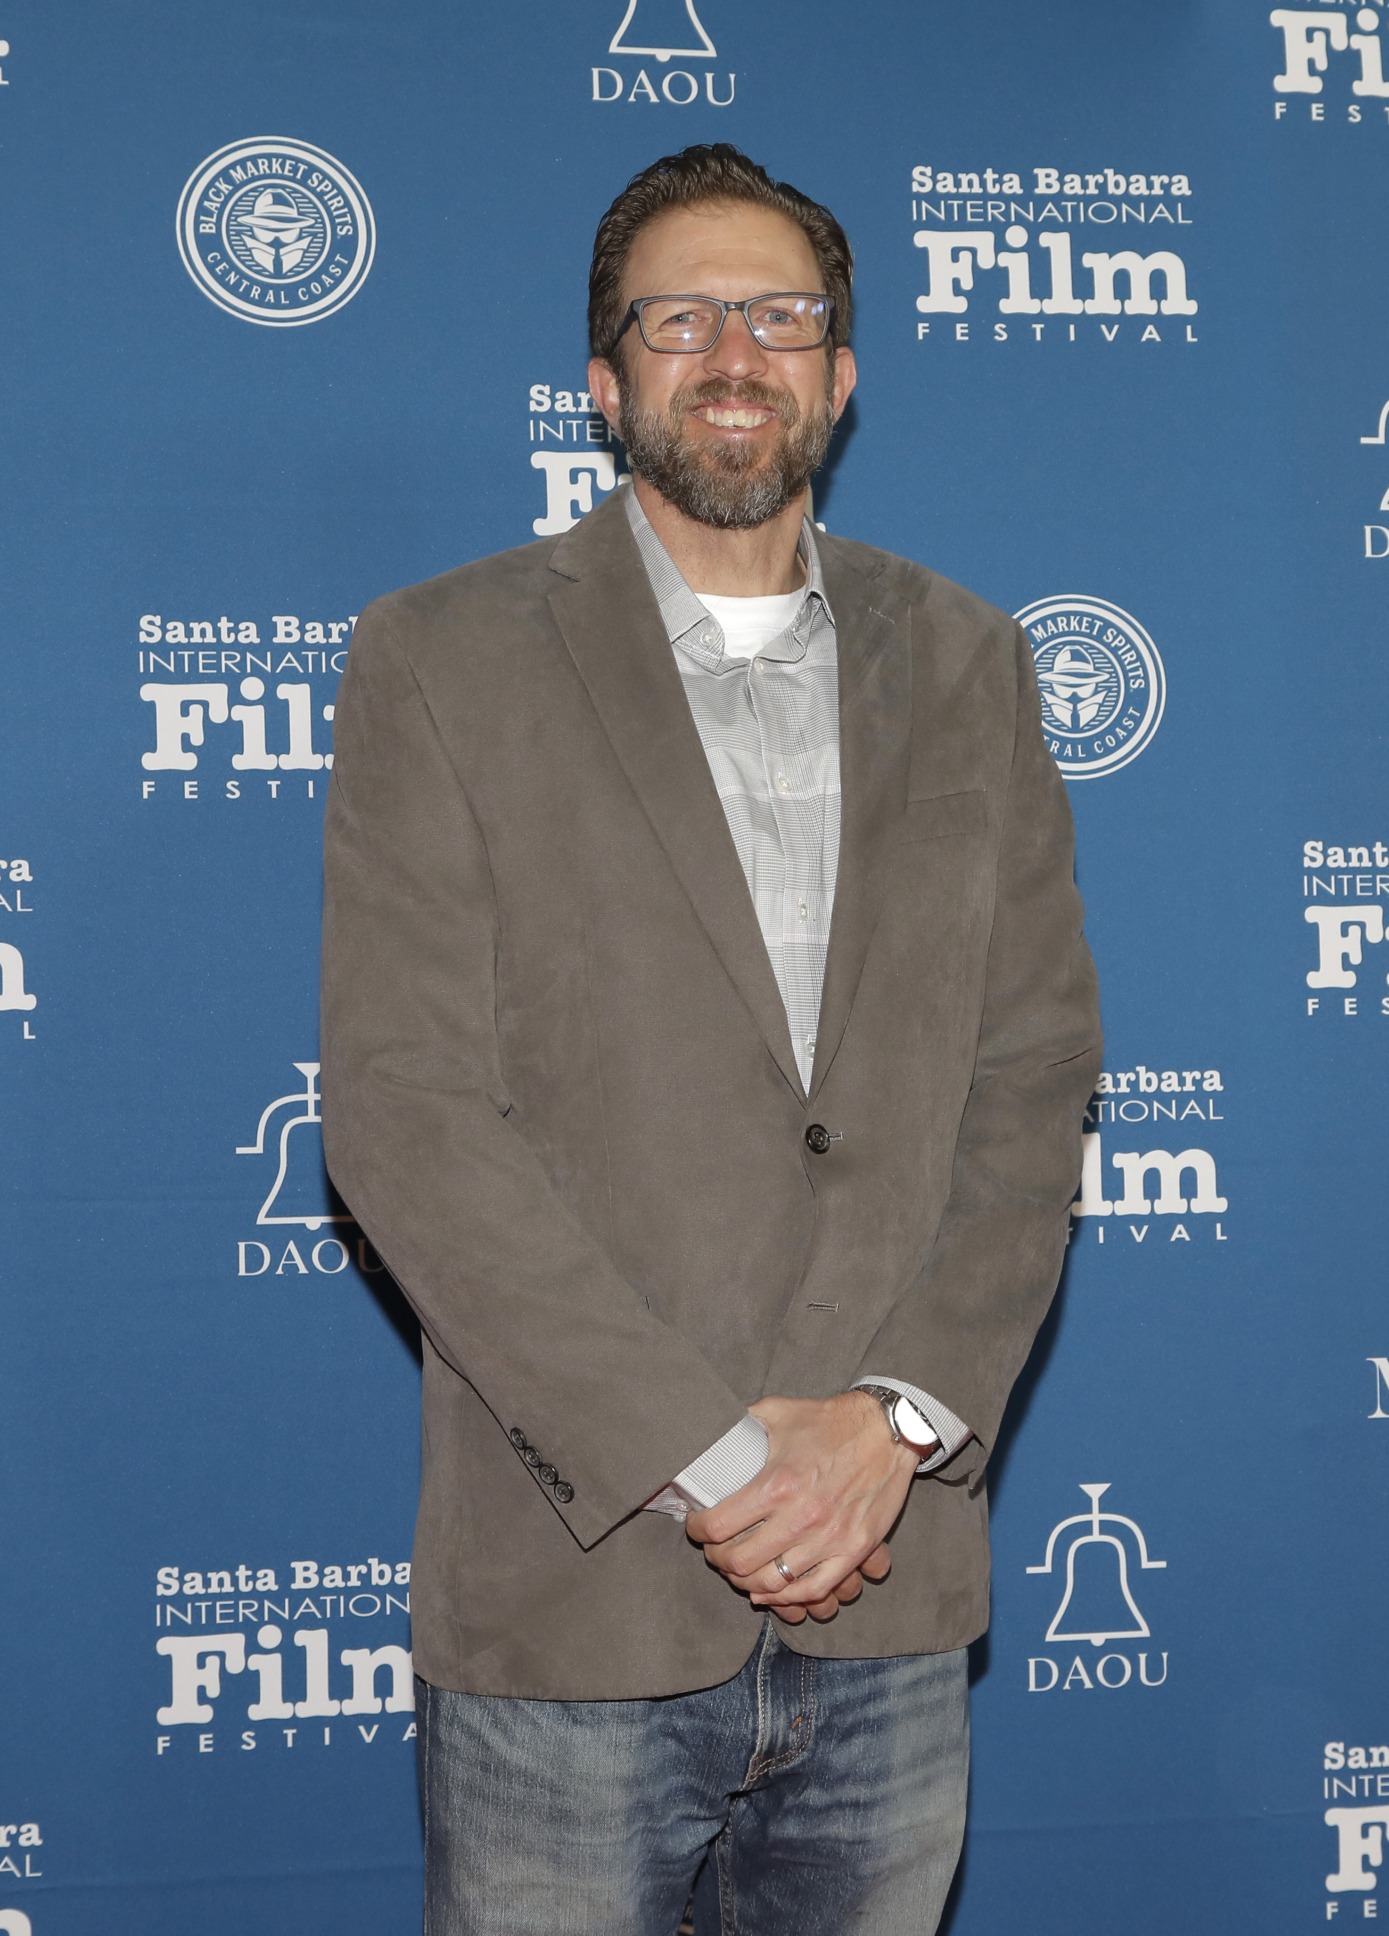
(276, 231)
(1101, 682)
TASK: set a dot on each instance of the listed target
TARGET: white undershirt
(748, 624)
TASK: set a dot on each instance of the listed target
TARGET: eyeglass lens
(778, 322)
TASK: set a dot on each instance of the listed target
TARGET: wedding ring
(784, 1571)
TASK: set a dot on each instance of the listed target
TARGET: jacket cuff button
(564, 1492)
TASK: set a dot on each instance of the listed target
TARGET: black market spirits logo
(275, 231)
(1102, 683)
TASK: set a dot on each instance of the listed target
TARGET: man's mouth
(734, 417)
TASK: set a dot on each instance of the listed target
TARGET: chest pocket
(945, 813)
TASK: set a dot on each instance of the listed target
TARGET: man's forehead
(716, 244)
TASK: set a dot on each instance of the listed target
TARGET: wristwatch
(906, 1423)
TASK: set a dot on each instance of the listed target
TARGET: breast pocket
(945, 813)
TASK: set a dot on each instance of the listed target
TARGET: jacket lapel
(873, 630)
(605, 608)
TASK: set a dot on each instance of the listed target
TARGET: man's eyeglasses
(675, 325)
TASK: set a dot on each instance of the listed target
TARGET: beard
(733, 486)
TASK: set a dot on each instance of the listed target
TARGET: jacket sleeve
(512, 1291)
(963, 1328)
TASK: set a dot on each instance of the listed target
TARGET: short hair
(708, 172)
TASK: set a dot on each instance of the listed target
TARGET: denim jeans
(828, 1794)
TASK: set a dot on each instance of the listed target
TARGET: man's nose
(736, 352)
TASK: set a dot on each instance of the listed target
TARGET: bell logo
(1110, 1551)
(1097, 1603)
(663, 31)
(299, 1192)
(628, 38)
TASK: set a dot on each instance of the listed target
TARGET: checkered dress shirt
(770, 727)
(770, 730)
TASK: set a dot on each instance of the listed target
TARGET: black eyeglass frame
(635, 314)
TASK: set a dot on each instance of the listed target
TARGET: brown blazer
(559, 1092)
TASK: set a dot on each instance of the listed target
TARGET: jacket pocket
(944, 813)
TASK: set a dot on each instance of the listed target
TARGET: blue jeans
(831, 1794)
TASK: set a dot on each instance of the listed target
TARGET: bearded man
(707, 1027)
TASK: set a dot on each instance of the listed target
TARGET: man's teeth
(737, 419)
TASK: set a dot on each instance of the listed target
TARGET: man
(725, 1155)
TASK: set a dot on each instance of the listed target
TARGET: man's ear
(603, 387)
(845, 377)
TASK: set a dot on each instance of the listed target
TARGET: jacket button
(817, 1139)
(548, 1475)
(531, 1457)
(517, 1437)
(564, 1492)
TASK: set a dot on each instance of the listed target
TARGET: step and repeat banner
(295, 316)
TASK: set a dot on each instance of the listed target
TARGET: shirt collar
(691, 627)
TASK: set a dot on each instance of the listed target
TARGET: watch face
(910, 1423)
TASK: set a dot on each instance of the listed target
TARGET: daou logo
(1102, 683)
(299, 1194)
(1097, 1604)
(276, 231)
(1310, 39)
(663, 31)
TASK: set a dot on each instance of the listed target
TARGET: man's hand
(830, 1492)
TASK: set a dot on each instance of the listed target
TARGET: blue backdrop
(295, 317)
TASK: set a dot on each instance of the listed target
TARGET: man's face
(732, 434)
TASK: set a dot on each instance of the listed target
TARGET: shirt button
(706, 637)
(803, 914)
(783, 784)
(760, 663)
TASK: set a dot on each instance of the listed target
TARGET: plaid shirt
(770, 728)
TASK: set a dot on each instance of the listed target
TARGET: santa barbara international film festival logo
(1345, 885)
(1355, 1780)
(664, 32)
(250, 1660)
(1029, 255)
(1331, 65)
(275, 231)
(1095, 1560)
(1102, 683)
(308, 1230)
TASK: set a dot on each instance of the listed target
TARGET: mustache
(716, 390)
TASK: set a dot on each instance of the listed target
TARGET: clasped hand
(833, 1485)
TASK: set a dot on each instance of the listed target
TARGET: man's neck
(731, 564)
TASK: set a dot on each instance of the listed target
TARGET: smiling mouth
(725, 417)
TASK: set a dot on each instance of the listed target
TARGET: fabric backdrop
(295, 316)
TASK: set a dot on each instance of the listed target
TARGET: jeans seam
(723, 1869)
(425, 1733)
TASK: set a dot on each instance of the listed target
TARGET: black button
(548, 1474)
(817, 1139)
(517, 1437)
(531, 1457)
(564, 1492)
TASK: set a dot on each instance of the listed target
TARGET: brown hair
(708, 172)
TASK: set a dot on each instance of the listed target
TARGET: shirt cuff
(718, 1473)
(951, 1431)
